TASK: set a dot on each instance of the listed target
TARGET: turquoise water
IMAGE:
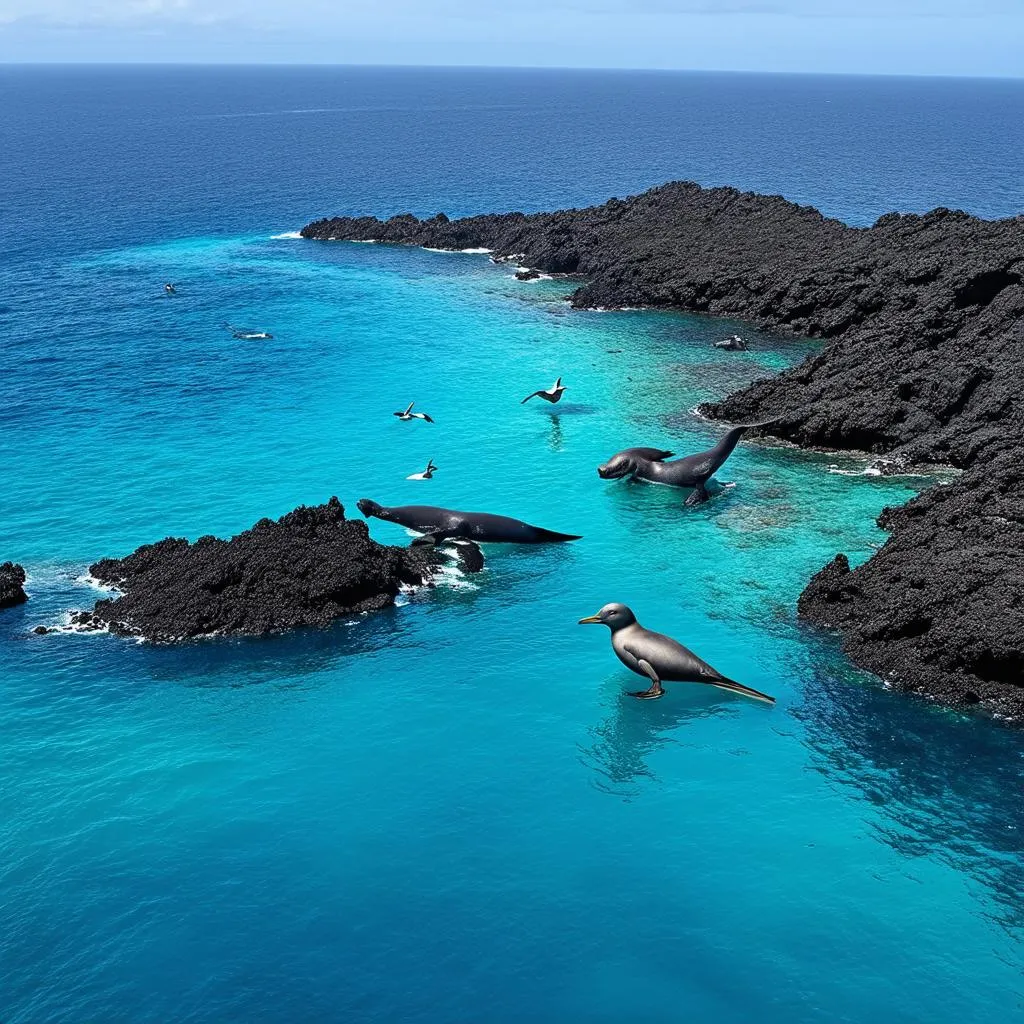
(450, 811)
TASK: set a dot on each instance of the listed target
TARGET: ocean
(451, 811)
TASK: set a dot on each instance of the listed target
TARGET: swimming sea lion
(441, 524)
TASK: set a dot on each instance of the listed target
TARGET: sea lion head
(617, 467)
(369, 508)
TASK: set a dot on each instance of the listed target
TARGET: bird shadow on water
(556, 442)
(570, 409)
(623, 742)
(944, 784)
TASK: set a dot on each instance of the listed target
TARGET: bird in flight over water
(552, 395)
(408, 414)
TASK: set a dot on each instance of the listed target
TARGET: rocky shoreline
(308, 568)
(923, 319)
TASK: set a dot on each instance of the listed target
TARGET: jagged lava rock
(12, 578)
(939, 610)
(305, 569)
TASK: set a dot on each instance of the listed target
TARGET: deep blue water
(450, 812)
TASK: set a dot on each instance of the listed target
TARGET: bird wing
(557, 384)
(528, 397)
(423, 416)
(411, 404)
(648, 670)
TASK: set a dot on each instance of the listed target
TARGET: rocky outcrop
(923, 323)
(12, 578)
(939, 610)
(307, 568)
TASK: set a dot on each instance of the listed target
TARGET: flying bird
(410, 415)
(427, 474)
(552, 395)
(660, 658)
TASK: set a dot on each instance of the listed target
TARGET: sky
(919, 37)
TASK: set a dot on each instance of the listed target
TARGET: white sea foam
(287, 234)
(471, 252)
(87, 580)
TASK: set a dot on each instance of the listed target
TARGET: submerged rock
(307, 568)
(12, 593)
(923, 322)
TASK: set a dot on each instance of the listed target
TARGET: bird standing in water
(408, 414)
(552, 395)
(659, 657)
(427, 474)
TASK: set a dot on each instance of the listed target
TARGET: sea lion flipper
(431, 539)
(698, 497)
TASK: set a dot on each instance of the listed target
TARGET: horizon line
(499, 67)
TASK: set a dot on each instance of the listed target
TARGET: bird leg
(656, 689)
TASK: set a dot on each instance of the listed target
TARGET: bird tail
(733, 687)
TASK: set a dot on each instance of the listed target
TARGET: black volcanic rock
(12, 577)
(922, 319)
(306, 569)
(939, 610)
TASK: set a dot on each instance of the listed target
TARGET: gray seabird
(552, 395)
(659, 657)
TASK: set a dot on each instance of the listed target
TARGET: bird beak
(589, 618)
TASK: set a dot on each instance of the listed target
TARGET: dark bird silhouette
(408, 414)
(552, 395)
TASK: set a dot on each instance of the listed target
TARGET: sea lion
(691, 471)
(660, 658)
(441, 524)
